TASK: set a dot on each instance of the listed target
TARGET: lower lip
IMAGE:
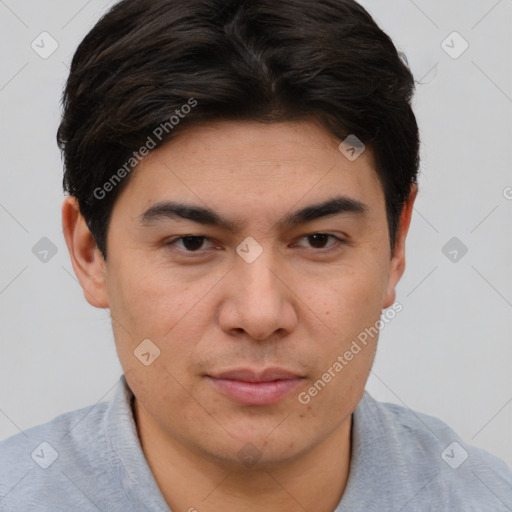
(256, 393)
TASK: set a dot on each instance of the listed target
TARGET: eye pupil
(318, 238)
(192, 243)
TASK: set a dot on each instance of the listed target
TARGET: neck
(190, 482)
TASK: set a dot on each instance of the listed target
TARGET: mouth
(248, 387)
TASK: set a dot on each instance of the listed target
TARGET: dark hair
(264, 60)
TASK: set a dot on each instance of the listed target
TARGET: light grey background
(448, 353)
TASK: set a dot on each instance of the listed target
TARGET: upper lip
(248, 375)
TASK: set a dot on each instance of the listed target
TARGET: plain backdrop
(448, 353)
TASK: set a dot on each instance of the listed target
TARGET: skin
(299, 305)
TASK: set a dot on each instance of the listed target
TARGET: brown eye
(189, 243)
(319, 240)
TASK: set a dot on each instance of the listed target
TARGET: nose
(260, 299)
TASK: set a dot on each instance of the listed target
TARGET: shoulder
(429, 463)
(43, 460)
(429, 437)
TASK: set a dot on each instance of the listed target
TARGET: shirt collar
(134, 473)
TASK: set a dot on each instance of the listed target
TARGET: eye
(318, 240)
(189, 243)
(195, 243)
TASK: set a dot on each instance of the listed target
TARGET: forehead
(250, 166)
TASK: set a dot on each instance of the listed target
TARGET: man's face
(280, 300)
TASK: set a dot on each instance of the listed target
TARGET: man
(241, 179)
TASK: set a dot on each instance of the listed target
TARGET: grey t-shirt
(402, 461)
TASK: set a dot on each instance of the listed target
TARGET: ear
(397, 265)
(87, 261)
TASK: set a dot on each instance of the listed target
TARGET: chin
(255, 452)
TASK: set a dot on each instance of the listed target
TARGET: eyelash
(338, 242)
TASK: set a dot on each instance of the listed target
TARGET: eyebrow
(169, 210)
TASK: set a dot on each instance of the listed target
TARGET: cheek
(353, 299)
(151, 302)
(163, 306)
(158, 308)
(354, 306)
